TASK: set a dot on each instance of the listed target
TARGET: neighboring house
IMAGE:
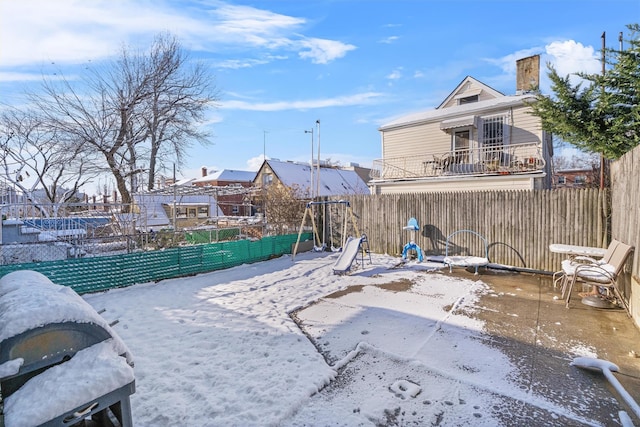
(476, 139)
(334, 181)
(157, 210)
(575, 178)
(231, 199)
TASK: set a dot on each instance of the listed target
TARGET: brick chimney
(204, 171)
(527, 74)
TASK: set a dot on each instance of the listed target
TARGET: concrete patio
(526, 319)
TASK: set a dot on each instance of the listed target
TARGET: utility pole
(602, 161)
(264, 145)
(311, 164)
(318, 175)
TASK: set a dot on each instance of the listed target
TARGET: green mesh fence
(208, 236)
(94, 274)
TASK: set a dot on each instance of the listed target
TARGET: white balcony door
(461, 145)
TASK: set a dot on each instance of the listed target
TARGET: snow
(10, 367)
(333, 181)
(458, 110)
(224, 348)
(102, 372)
(26, 293)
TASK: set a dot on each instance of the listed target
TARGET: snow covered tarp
(52, 341)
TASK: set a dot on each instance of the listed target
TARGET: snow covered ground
(224, 348)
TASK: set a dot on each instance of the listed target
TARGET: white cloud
(508, 62)
(19, 77)
(341, 101)
(236, 64)
(254, 163)
(389, 40)
(322, 51)
(395, 74)
(74, 31)
(570, 57)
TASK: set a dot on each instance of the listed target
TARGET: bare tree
(38, 156)
(284, 208)
(128, 112)
(180, 93)
(102, 118)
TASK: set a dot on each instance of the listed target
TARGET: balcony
(491, 160)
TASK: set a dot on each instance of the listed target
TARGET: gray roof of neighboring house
(228, 175)
(459, 110)
(333, 182)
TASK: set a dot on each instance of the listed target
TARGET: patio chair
(564, 276)
(604, 275)
(466, 260)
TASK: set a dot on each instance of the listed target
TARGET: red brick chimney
(204, 171)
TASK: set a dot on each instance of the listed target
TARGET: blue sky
(281, 65)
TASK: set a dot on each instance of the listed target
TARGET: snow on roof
(186, 181)
(458, 110)
(333, 182)
(228, 175)
(152, 213)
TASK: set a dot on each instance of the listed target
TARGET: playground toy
(412, 226)
(466, 260)
(353, 246)
(320, 243)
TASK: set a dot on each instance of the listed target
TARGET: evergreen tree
(604, 115)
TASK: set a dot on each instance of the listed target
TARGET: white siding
(511, 182)
(417, 140)
(526, 127)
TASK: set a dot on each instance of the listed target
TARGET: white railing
(497, 160)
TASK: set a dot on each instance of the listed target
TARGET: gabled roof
(333, 181)
(459, 111)
(228, 175)
(490, 100)
(470, 87)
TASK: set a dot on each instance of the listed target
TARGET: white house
(476, 139)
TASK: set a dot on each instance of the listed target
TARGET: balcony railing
(492, 160)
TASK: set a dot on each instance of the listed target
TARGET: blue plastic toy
(412, 246)
(412, 225)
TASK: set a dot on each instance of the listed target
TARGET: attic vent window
(468, 100)
(468, 96)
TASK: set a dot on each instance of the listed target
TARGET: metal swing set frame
(318, 242)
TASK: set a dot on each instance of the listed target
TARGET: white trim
(468, 94)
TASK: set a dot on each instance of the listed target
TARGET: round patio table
(573, 250)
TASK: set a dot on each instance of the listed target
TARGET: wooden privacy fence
(625, 221)
(518, 225)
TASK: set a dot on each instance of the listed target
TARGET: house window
(493, 131)
(235, 210)
(562, 180)
(493, 134)
(468, 100)
(267, 179)
(461, 146)
(203, 212)
(580, 179)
